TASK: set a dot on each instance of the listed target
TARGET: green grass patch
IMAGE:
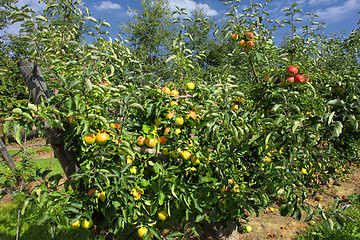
(32, 164)
(349, 231)
(29, 227)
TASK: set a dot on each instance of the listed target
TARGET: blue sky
(339, 15)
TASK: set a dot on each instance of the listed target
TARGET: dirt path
(270, 225)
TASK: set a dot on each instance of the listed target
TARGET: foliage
(30, 225)
(346, 219)
(218, 152)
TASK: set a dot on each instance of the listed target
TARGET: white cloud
(13, 29)
(321, 2)
(107, 5)
(190, 6)
(316, 2)
(339, 13)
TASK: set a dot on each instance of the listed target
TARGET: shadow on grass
(30, 229)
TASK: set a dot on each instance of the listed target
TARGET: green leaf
(146, 128)
(331, 224)
(253, 139)
(199, 218)
(106, 24)
(296, 125)
(338, 126)
(137, 106)
(330, 119)
(154, 233)
(16, 111)
(284, 210)
(310, 214)
(41, 18)
(161, 198)
(91, 19)
(18, 198)
(336, 102)
(173, 191)
(170, 58)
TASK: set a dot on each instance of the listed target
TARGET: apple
(167, 130)
(89, 138)
(170, 115)
(248, 229)
(102, 137)
(190, 86)
(163, 140)
(242, 43)
(192, 115)
(267, 78)
(174, 93)
(142, 231)
(290, 80)
(292, 71)
(75, 224)
(140, 141)
(86, 223)
(250, 36)
(234, 36)
(166, 90)
(186, 155)
(235, 107)
(162, 215)
(151, 142)
(101, 196)
(179, 120)
(250, 44)
(300, 79)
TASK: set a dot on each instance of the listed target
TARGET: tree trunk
(55, 136)
(9, 161)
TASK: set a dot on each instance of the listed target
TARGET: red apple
(250, 36)
(292, 71)
(290, 80)
(300, 79)
(250, 44)
(242, 43)
(267, 78)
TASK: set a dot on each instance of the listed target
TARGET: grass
(32, 164)
(349, 231)
(29, 227)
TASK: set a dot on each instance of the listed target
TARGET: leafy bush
(216, 152)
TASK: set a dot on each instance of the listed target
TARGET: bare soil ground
(271, 225)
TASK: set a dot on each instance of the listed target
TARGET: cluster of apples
(293, 77)
(246, 42)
